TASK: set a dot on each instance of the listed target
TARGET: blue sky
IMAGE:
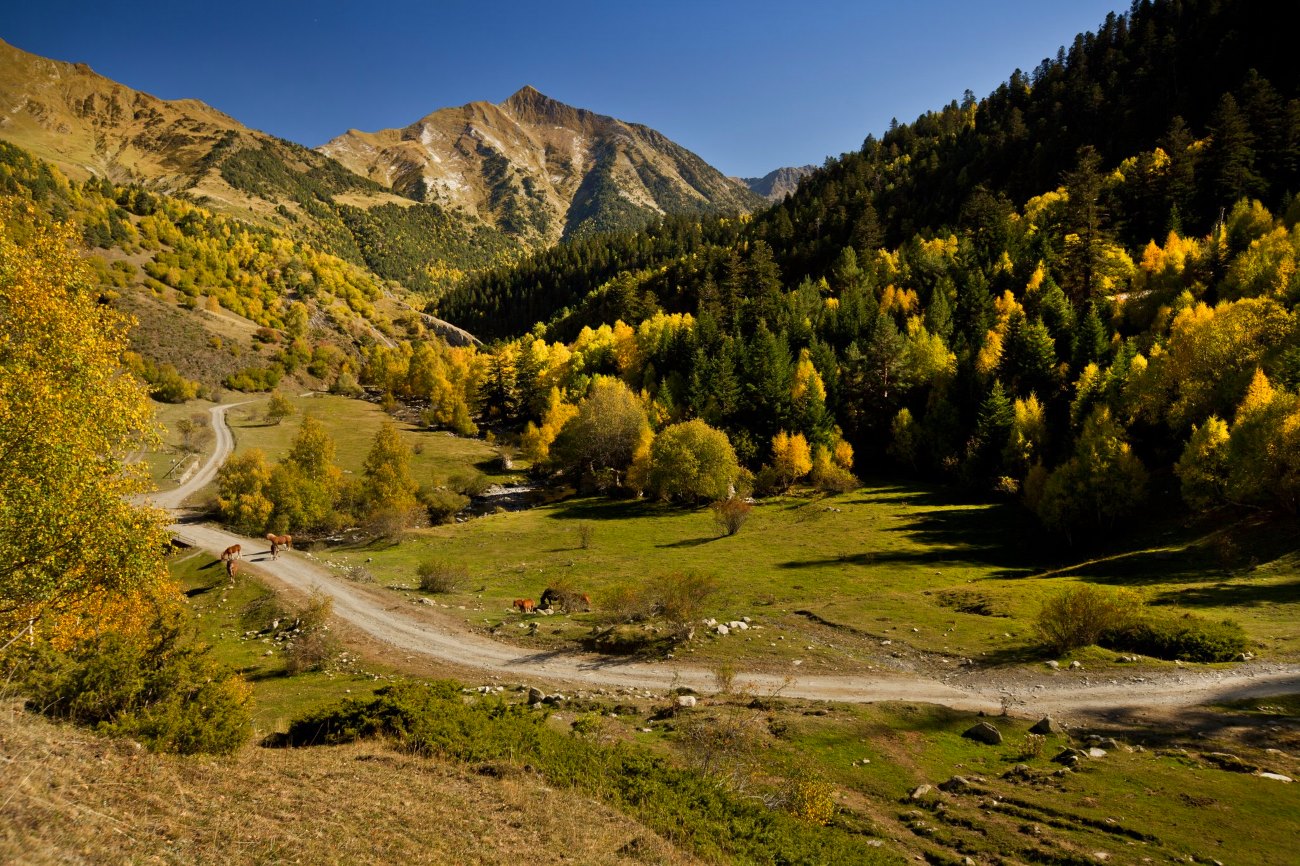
(749, 86)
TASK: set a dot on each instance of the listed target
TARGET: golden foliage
(75, 554)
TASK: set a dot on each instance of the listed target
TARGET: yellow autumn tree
(791, 457)
(75, 555)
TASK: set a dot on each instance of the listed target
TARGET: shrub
(309, 651)
(1187, 637)
(439, 575)
(692, 461)
(681, 595)
(346, 385)
(731, 514)
(428, 719)
(1033, 746)
(585, 533)
(471, 484)
(1082, 614)
(171, 696)
(812, 800)
(312, 647)
(278, 408)
(442, 504)
(724, 676)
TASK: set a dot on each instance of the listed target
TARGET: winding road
(418, 630)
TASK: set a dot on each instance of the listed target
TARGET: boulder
(722, 629)
(955, 784)
(1276, 777)
(535, 696)
(1053, 664)
(1045, 725)
(685, 700)
(1076, 665)
(984, 733)
(1069, 757)
(920, 792)
(1095, 752)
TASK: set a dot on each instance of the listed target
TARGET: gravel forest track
(419, 630)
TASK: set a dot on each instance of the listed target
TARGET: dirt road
(418, 630)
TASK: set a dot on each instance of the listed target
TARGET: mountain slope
(540, 170)
(89, 125)
(777, 184)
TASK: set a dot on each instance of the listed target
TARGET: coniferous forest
(1077, 291)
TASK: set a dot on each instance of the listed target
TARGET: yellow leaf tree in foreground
(75, 555)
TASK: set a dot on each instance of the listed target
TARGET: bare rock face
(540, 170)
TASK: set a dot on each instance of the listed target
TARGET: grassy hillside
(829, 579)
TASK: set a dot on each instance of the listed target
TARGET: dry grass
(69, 796)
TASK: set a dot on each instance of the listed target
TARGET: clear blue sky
(749, 86)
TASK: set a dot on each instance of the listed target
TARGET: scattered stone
(1226, 761)
(956, 784)
(746, 620)
(1069, 757)
(722, 629)
(686, 700)
(797, 662)
(535, 696)
(886, 643)
(920, 791)
(986, 733)
(1076, 665)
(710, 622)
(1045, 725)
(737, 625)
(1276, 777)
(1054, 665)
(1095, 752)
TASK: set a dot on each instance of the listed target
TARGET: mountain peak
(528, 101)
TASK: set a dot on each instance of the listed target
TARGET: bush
(692, 461)
(1188, 638)
(585, 534)
(171, 696)
(1082, 614)
(311, 647)
(812, 800)
(731, 514)
(469, 484)
(681, 595)
(438, 575)
(442, 504)
(428, 719)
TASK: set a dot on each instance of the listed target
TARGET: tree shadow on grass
(691, 542)
(984, 535)
(1237, 594)
(609, 509)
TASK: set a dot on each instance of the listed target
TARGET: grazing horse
(232, 568)
(524, 605)
(566, 599)
(231, 553)
(277, 542)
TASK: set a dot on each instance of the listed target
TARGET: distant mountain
(89, 125)
(776, 185)
(540, 170)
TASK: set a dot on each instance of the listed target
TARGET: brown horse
(277, 542)
(232, 568)
(232, 552)
(524, 605)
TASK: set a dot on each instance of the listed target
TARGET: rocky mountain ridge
(539, 169)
